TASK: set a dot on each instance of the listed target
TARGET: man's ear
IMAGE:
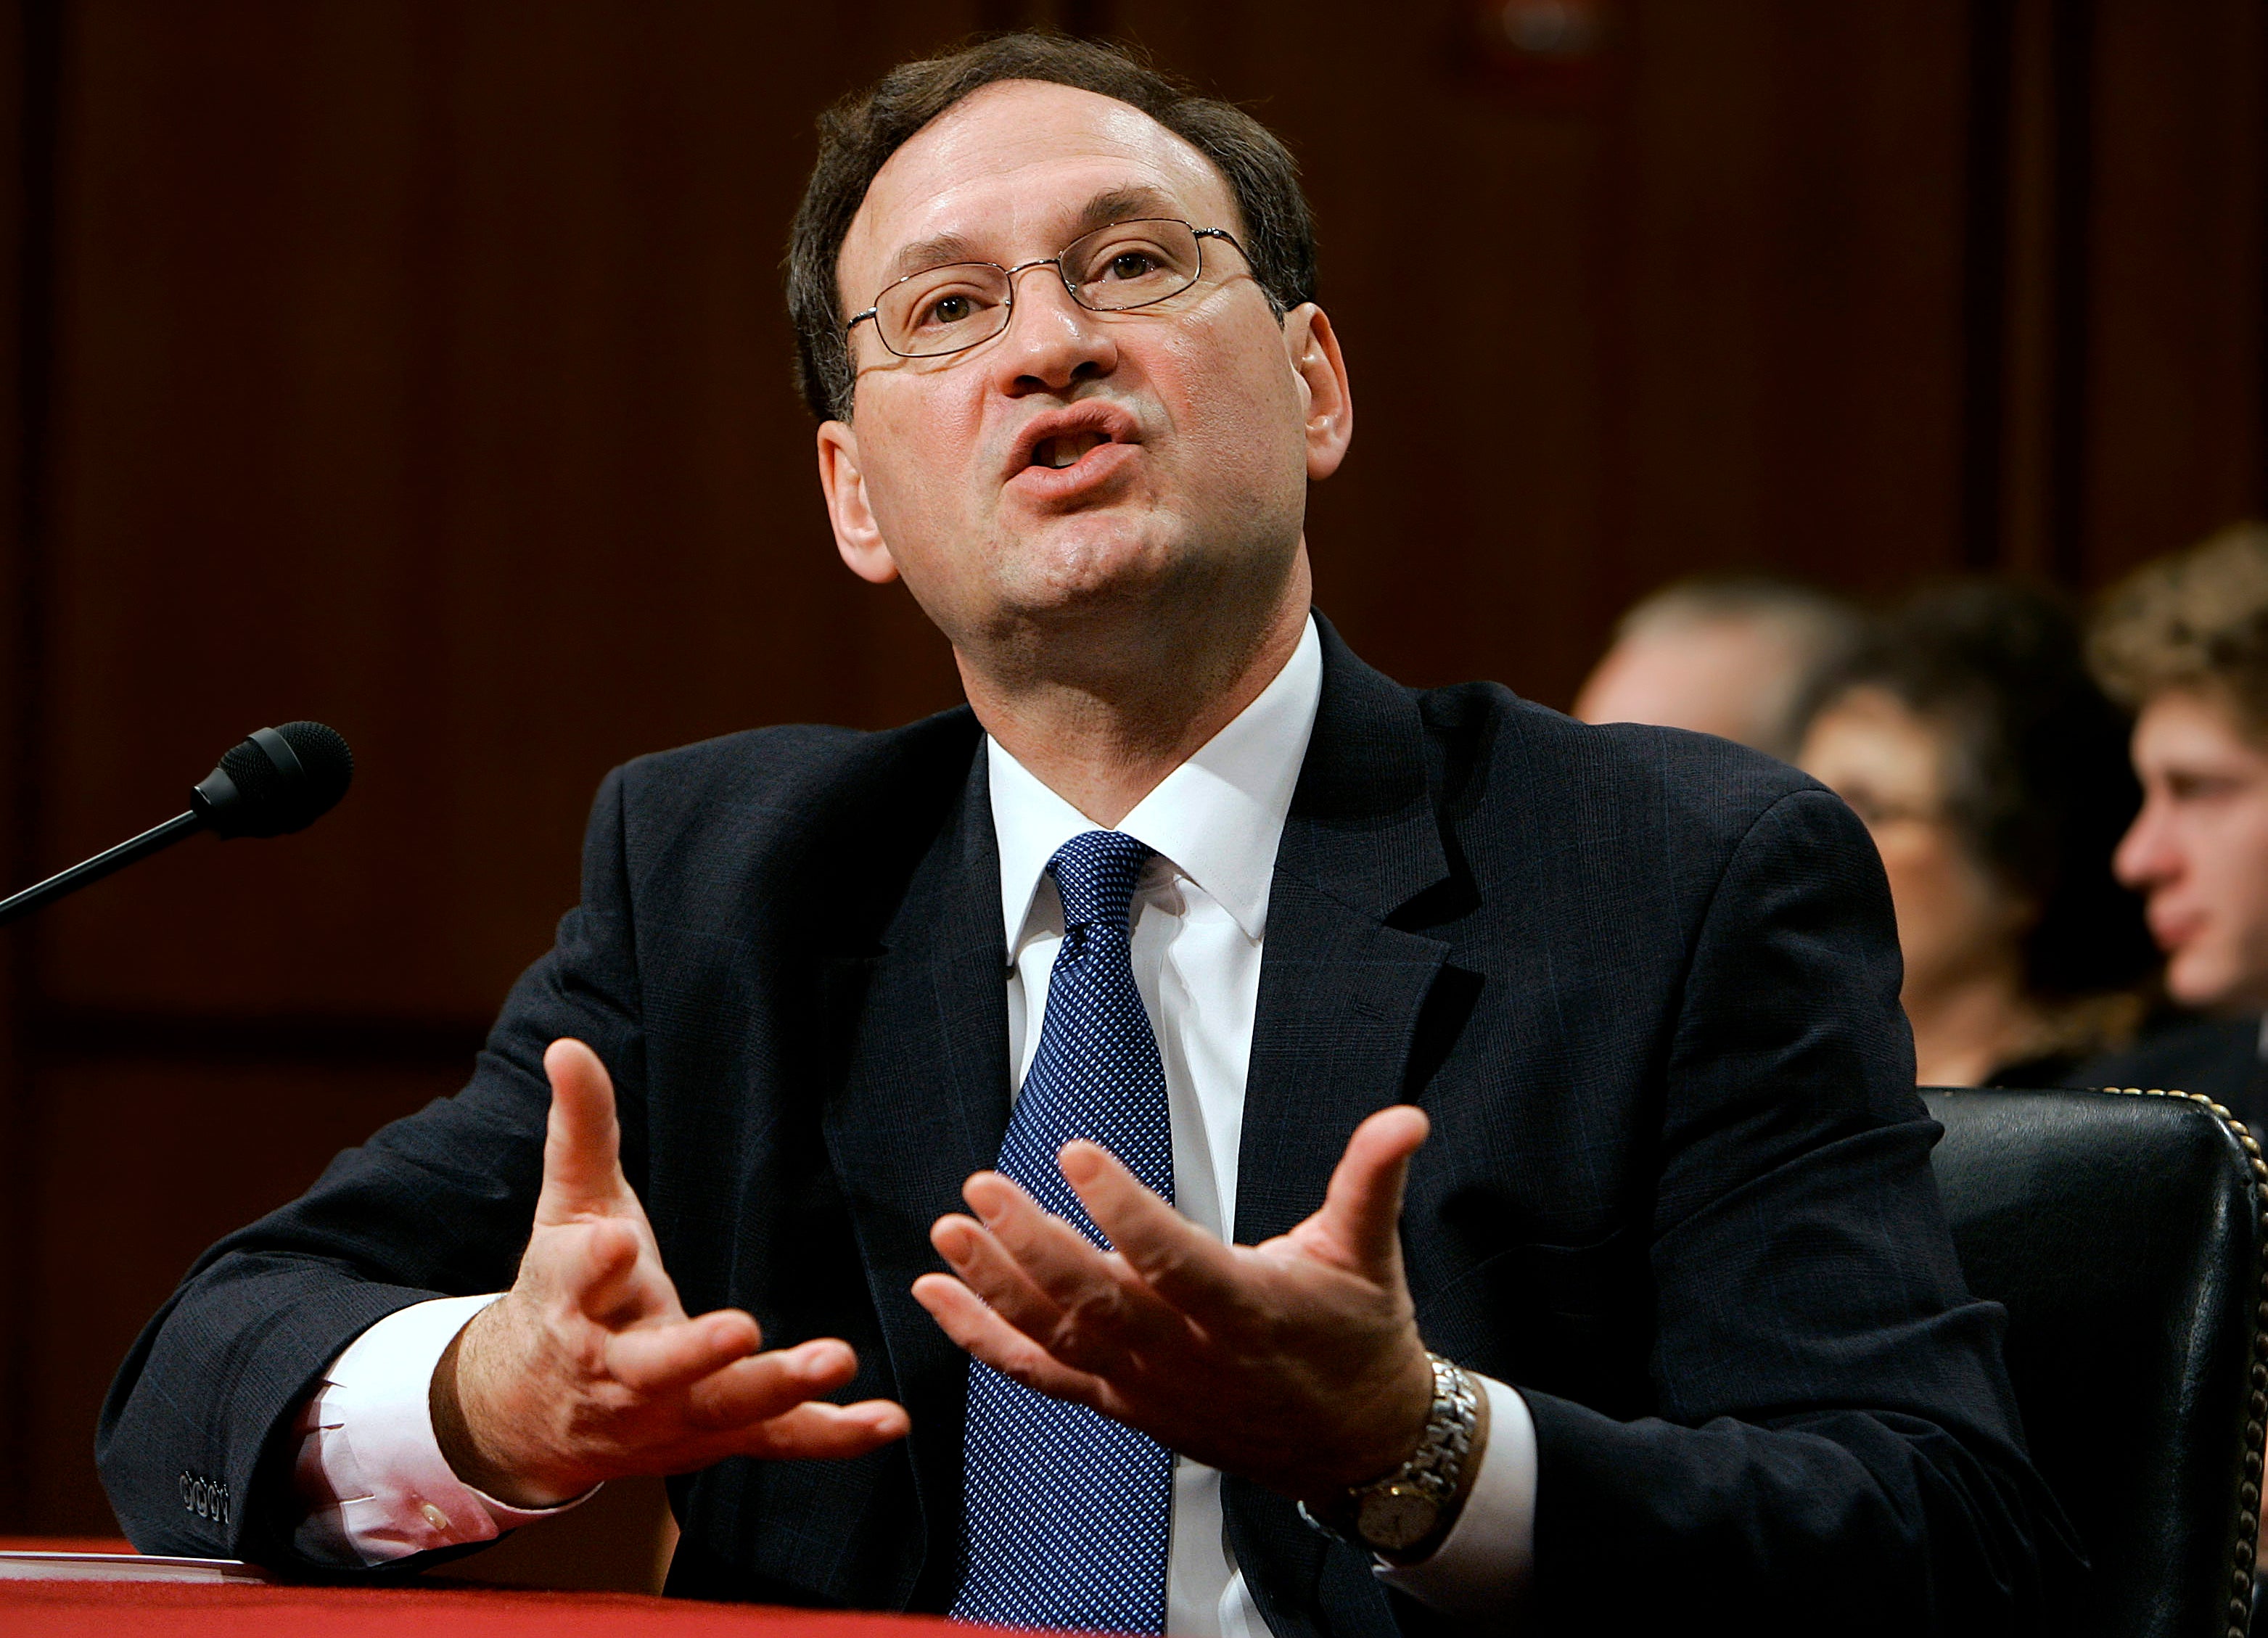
(1313, 348)
(857, 535)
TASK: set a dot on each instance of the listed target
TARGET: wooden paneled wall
(417, 365)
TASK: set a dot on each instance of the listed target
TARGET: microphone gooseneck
(276, 781)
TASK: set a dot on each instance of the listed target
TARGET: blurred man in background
(2184, 642)
(1992, 771)
(1733, 657)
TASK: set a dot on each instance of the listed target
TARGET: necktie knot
(1095, 873)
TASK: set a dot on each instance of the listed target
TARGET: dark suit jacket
(1678, 1189)
(2219, 1057)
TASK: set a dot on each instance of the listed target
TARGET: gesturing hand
(1296, 1363)
(589, 1369)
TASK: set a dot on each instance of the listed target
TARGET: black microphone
(279, 780)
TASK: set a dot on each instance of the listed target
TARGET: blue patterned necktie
(1067, 1511)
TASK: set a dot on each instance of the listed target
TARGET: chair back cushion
(2123, 1233)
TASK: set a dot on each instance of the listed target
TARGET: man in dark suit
(1550, 1211)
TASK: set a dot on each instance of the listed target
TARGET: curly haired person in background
(2184, 641)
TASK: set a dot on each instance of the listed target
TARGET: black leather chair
(2125, 1232)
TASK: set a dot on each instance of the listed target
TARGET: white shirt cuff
(1483, 1565)
(370, 1471)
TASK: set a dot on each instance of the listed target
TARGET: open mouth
(1057, 452)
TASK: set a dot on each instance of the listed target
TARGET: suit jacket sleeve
(194, 1439)
(1836, 1432)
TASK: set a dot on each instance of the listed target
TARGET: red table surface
(100, 1609)
(96, 1609)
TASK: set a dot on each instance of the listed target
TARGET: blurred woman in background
(1967, 733)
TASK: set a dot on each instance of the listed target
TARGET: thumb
(1361, 1214)
(582, 1167)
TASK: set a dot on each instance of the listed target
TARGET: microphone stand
(102, 864)
(276, 781)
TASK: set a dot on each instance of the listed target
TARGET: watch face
(1398, 1516)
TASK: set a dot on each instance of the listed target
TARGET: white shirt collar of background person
(1215, 820)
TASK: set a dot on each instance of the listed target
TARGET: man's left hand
(1296, 1363)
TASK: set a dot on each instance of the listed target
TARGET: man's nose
(1051, 341)
(2145, 856)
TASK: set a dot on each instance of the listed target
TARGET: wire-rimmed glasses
(1117, 268)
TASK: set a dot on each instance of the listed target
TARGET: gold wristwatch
(1393, 1514)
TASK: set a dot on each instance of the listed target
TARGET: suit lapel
(1340, 990)
(924, 1102)
(1341, 993)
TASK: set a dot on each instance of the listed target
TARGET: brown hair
(859, 134)
(2195, 619)
(2038, 786)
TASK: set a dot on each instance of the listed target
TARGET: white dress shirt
(371, 1473)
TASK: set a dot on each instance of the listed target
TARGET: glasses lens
(1131, 264)
(943, 310)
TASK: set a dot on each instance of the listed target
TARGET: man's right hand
(588, 1369)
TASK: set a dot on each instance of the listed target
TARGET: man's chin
(1089, 564)
(2206, 980)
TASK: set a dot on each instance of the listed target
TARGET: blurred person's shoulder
(1602, 779)
(2219, 1057)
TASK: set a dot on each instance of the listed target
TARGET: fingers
(597, 1262)
(764, 1406)
(1185, 1265)
(582, 1169)
(1361, 1213)
(766, 1401)
(654, 1358)
(1094, 1309)
(604, 1271)
(987, 1268)
(591, 1238)
(764, 1385)
(963, 1316)
(810, 1432)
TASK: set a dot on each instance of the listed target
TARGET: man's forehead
(2196, 724)
(1010, 167)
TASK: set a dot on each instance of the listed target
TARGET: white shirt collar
(1216, 819)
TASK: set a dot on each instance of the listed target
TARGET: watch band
(1396, 1512)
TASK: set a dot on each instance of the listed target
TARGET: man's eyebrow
(1129, 203)
(1133, 204)
(933, 251)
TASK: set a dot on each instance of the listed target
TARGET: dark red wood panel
(425, 375)
(1700, 311)
(2176, 443)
